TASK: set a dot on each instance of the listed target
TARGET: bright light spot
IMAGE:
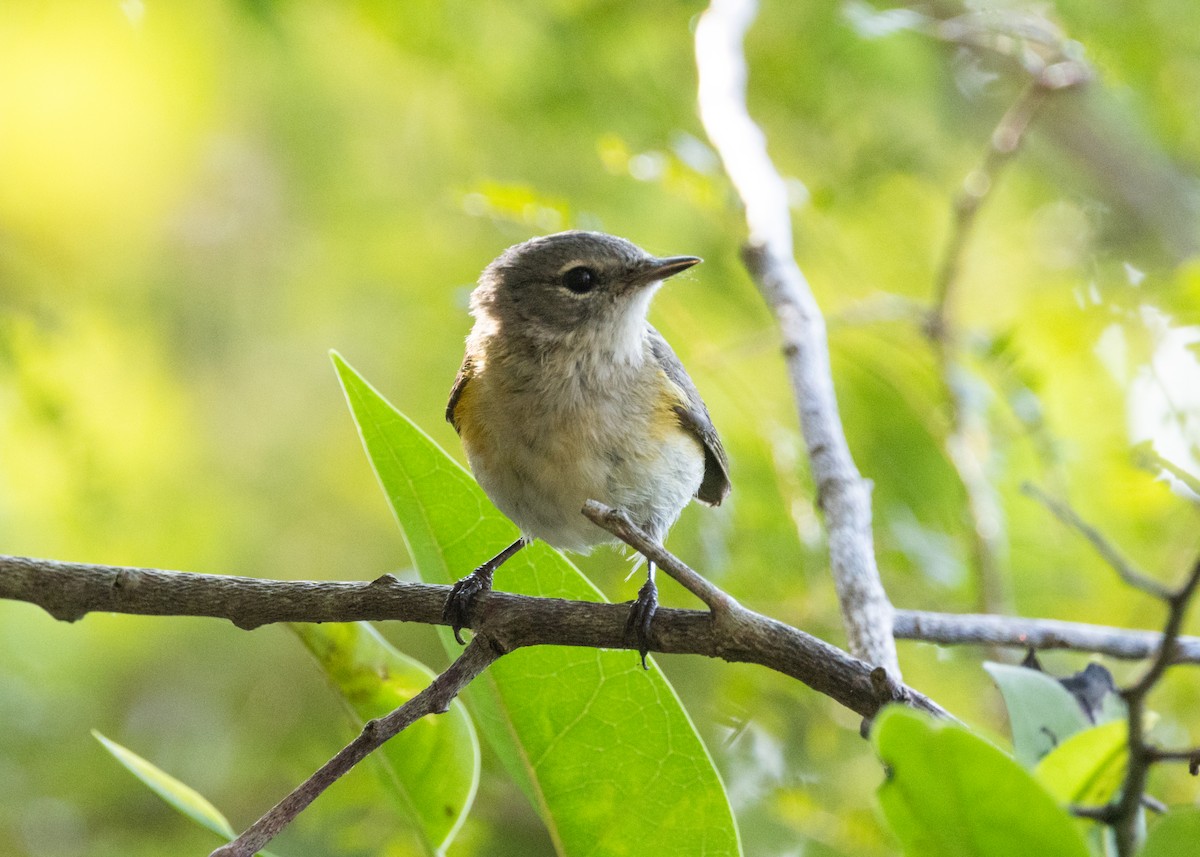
(647, 166)
(695, 153)
(1113, 351)
(92, 123)
(475, 204)
(798, 193)
(977, 183)
(1134, 275)
(1061, 235)
(135, 11)
(1164, 396)
(872, 23)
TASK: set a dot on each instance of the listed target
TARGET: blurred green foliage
(198, 200)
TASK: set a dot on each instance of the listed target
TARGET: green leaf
(432, 768)
(603, 749)
(951, 794)
(1041, 711)
(182, 797)
(1174, 835)
(1089, 767)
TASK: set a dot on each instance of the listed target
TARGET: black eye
(580, 280)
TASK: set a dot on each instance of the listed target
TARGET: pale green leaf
(1041, 712)
(949, 793)
(1087, 768)
(178, 795)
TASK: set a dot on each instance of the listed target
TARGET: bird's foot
(641, 614)
(457, 611)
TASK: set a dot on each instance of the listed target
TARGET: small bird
(567, 393)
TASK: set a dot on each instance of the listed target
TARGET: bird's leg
(641, 614)
(457, 612)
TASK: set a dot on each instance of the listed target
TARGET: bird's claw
(641, 614)
(457, 610)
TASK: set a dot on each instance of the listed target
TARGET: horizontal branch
(69, 591)
(1020, 633)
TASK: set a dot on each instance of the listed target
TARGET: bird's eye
(580, 279)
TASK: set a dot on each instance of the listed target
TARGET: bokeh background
(198, 200)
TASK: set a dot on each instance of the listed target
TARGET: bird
(567, 393)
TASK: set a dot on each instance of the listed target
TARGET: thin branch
(1041, 634)
(1177, 604)
(1125, 826)
(1092, 129)
(1025, 36)
(967, 440)
(434, 699)
(1190, 755)
(1107, 551)
(843, 495)
(1146, 457)
(1123, 813)
(617, 522)
(1005, 141)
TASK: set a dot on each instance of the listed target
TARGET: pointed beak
(659, 269)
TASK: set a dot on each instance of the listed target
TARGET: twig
(1107, 551)
(1190, 755)
(1125, 809)
(843, 495)
(434, 699)
(1148, 459)
(1020, 633)
(968, 427)
(1005, 141)
(617, 522)
(1040, 48)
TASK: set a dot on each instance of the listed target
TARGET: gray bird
(567, 393)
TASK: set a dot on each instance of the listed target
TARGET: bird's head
(573, 286)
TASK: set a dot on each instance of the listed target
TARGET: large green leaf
(1041, 712)
(604, 749)
(949, 793)
(1089, 767)
(433, 766)
(180, 796)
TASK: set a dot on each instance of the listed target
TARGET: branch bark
(69, 591)
(1016, 632)
(842, 494)
(1126, 809)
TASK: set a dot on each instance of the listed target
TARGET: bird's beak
(659, 269)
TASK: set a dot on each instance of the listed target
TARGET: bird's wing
(465, 373)
(694, 418)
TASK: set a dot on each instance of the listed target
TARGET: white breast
(541, 450)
